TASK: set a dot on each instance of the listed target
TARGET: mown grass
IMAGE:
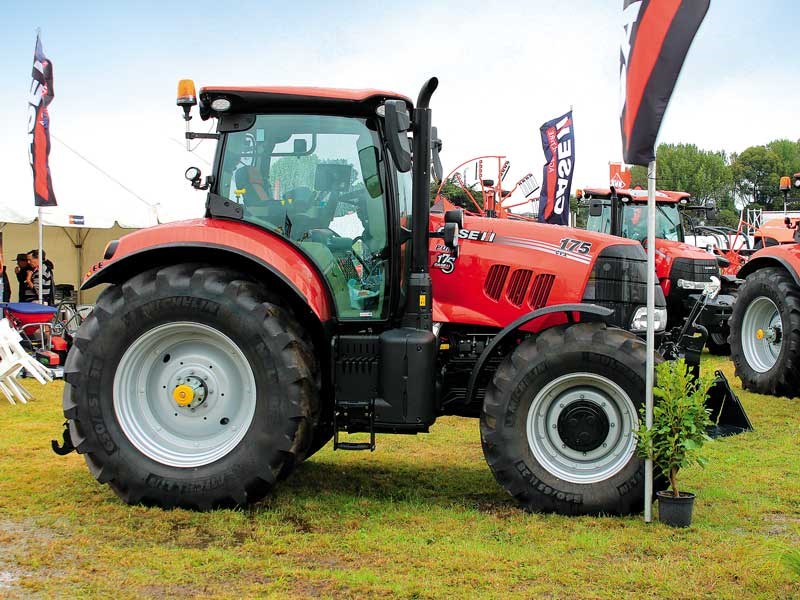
(421, 517)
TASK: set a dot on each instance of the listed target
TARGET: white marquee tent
(98, 200)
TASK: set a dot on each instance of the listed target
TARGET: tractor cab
(624, 213)
(682, 270)
(320, 177)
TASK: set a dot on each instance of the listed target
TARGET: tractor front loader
(320, 296)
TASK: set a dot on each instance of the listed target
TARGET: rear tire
(165, 331)
(765, 333)
(559, 420)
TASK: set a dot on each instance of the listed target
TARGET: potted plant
(680, 419)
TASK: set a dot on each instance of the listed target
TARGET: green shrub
(680, 419)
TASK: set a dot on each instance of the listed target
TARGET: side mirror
(436, 147)
(455, 216)
(595, 208)
(398, 122)
(368, 159)
(450, 235)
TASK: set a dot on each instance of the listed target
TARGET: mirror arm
(191, 135)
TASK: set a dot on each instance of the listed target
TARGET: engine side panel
(505, 269)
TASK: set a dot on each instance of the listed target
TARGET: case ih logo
(558, 144)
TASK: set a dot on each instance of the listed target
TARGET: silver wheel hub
(184, 394)
(581, 427)
(762, 334)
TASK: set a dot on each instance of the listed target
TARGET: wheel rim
(581, 427)
(761, 334)
(184, 394)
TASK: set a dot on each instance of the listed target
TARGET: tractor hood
(673, 250)
(776, 229)
(506, 268)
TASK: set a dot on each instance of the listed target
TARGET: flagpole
(41, 263)
(651, 302)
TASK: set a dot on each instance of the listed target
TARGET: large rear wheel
(765, 333)
(559, 421)
(190, 386)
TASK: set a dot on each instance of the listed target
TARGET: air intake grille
(520, 279)
(540, 290)
(495, 281)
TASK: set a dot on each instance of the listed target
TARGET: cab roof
(637, 195)
(294, 99)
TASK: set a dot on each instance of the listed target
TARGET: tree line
(751, 176)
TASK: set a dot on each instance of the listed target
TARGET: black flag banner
(39, 98)
(656, 37)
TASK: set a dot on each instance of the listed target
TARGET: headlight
(639, 321)
(692, 285)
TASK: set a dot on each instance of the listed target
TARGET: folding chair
(14, 358)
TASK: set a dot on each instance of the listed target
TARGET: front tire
(559, 421)
(717, 343)
(188, 386)
(765, 333)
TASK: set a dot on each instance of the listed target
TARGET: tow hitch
(67, 446)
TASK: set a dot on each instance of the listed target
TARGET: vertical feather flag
(558, 143)
(39, 98)
(656, 37)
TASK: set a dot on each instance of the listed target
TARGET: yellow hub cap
(183, 395)
(760, 334)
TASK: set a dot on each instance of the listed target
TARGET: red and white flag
(39, 98)
(656, 37)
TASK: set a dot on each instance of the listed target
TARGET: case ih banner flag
(558, 143)
(39, 98)
(657, 35)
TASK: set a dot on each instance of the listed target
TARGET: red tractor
(765, 325)
(682, 270)
(321, 296)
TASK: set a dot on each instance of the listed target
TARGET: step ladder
(353, 416)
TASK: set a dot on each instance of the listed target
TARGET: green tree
(756, 173)
(705, 174)
(686, 168)
(457, 195)
(639, 177)
(788, 154)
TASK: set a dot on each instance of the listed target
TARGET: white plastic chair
(14, 358)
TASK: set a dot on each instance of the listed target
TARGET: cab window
(316, 180)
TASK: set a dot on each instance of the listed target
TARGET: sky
(504, 69)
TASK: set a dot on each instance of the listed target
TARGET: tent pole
(651, 302)
(79, 247)
(41, 262)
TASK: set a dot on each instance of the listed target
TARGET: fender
(567, 309)
(769, 260)
(230, 243)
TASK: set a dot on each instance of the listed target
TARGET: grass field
(421, 517)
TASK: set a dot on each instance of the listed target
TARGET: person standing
(6, 294)
(32, 285)
(21, 271)
(49, 264)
